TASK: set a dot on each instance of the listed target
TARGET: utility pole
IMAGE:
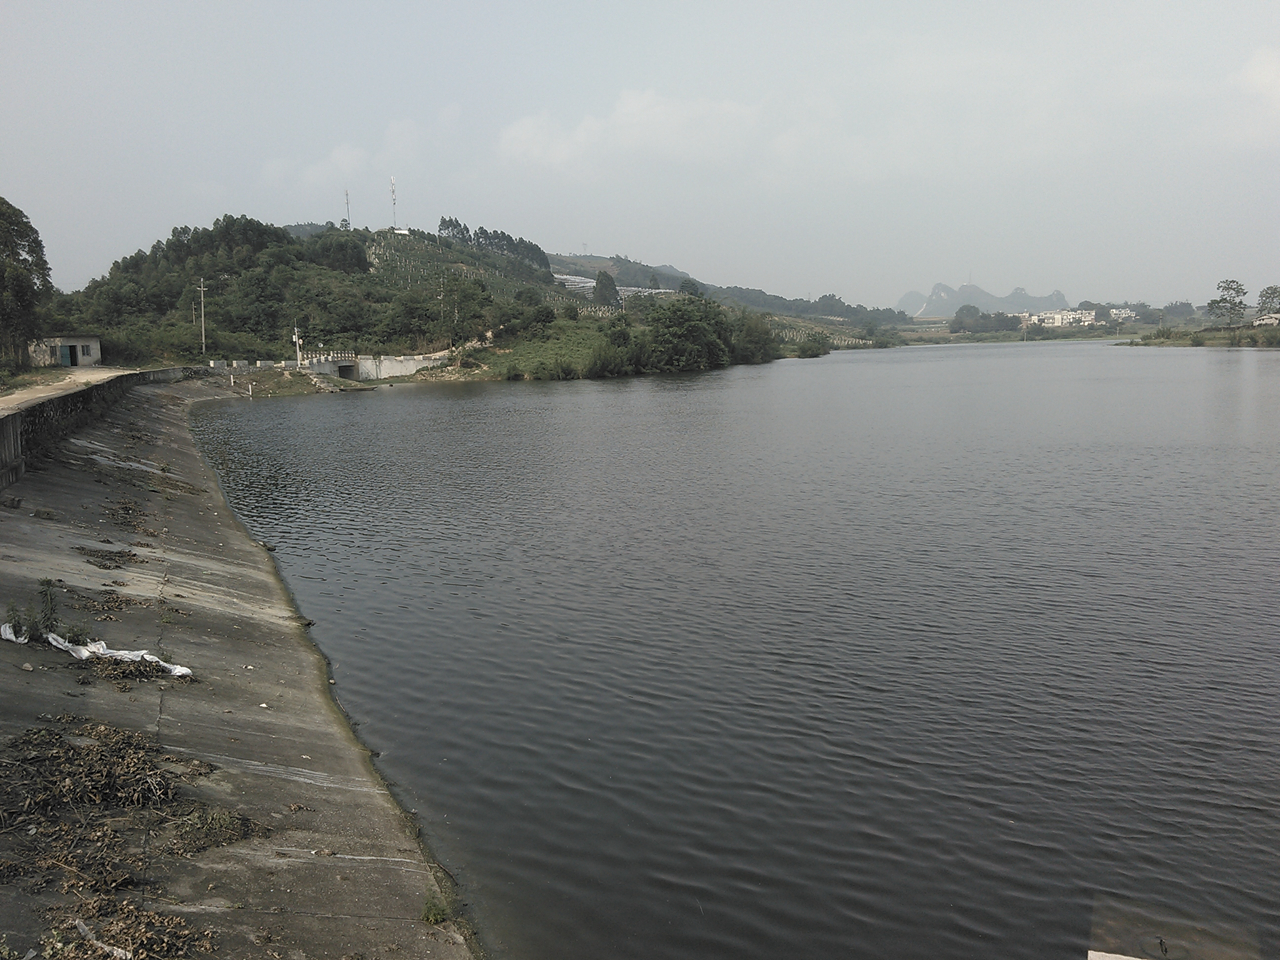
(297, 341)
(202, 316)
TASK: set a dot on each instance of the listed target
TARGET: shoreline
(126, 516)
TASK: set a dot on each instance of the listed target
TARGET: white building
(67, 351)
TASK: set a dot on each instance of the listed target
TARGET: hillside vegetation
(489, 296)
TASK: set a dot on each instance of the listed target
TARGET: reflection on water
(907, 653)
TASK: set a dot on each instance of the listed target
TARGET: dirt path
(75, 379)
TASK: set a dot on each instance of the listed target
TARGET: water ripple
(900, 653)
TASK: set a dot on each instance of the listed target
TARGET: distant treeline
(495, 241)
(828, 305)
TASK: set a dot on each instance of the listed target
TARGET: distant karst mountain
(943, 301)
(911, 303)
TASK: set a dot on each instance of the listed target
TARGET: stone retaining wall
(31, 431)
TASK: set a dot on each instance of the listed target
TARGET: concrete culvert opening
(347, 371)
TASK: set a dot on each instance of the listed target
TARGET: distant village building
(1267, 320)
(1077, 318)
(1063, 318)
(67, 351)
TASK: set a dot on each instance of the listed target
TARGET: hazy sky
(1113, 150)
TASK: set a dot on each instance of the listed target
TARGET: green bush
(814, 345)
(557, 368)
(607, 360)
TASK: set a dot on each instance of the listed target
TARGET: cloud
(924, 110)
(642, 125)
(344, 162)
(1261, 76)
(402, 145)
(401, 148)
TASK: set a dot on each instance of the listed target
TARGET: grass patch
(434, 911)
(269, 381)
(11, 382)
(560, 352)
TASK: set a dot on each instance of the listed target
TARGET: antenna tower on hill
(347, 194)
(393, 203)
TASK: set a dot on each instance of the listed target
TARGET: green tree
(816, 344)
(462, 305)
(753, 340)
(606, 291)
(24, 282)
(1229, 306)
(1269, 300)
(690, 334)
(689, 288)
(964, 318)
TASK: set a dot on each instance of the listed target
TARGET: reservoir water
(903, 653)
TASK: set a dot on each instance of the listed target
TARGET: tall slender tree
(606, 290)
(24, 282)
(1229, 306)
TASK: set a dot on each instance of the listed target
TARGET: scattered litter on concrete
(77, 803)
(116, 952)
(109, 559)
(96, 648)
(147, 934)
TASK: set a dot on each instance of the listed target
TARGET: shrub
(607, 360)
(814, 345)
(558, 368)
(48, 606)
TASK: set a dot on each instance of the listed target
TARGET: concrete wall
(375, 368)
(33, 430)
(380, 368)
(11, 463)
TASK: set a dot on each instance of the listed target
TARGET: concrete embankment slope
(127, 520)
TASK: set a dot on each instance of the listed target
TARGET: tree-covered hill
(383, 291)
(408, 291)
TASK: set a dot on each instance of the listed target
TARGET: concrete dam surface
(256, 820)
